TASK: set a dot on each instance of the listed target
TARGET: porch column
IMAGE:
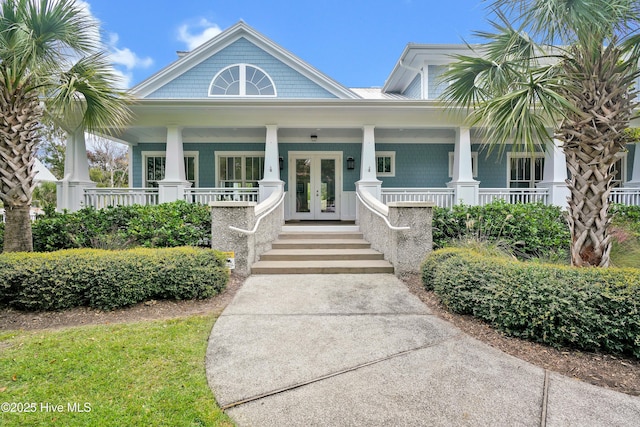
(635, 173)
(368, 168)
(271, 181)
(70, 189)
(554, 175)
(171, 188)
(465, 186)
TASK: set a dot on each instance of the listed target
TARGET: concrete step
(322, 267)
(320, 228)
(325, 243)
(320, 254)
(319, 235)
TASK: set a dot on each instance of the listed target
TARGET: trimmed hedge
(530, 229)
(591, 309)
(108, 279)
(165, 225)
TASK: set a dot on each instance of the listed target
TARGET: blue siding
(195, 82)
(418, 165)
(436, 86)
(492, 168)
(414, 90)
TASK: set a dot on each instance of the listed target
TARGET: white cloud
(195, 35)
(125, 57)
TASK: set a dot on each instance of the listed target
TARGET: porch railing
(442, 197)
(625, 196)
(512, 195)
(102, 197)
(206, 195)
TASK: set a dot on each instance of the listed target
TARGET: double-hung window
(239, 169)
(155, 164)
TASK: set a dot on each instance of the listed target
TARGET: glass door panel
(327, 185)
(303, 185)
(315, 178)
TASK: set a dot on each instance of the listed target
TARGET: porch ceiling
(206, 120)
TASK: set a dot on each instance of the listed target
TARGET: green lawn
(137, 374)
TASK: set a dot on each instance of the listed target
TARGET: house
(241, 118)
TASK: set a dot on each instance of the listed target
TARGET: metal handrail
(391, 227)
(255, 227)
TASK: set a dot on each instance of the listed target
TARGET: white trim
(390, 154)
(474, 163)
(242, 79)
(243, 154)
(338, 156)
(624, 156)
(196, 162)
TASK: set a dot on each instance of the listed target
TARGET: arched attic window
(242, 80)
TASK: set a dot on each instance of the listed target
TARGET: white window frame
(623, 170)
(392, 156)
(474, 163)
(196, 164)
(243, 154)
(242, 79)
(522, 156)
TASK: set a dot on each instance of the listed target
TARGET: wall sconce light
(281, 162)
(351, 163)
(314, 138)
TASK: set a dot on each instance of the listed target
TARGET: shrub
(108, 279)
(530, 229)
(590, 308)
(166, 225)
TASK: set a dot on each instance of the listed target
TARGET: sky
(355, 42)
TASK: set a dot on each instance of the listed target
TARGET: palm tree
(567, 72)
(49, 64)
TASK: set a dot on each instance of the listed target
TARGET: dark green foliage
(591, 309)
(108, 279)
(628, 216)
(166, 225)
(530, 229)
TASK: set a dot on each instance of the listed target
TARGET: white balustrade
(513, 195)
(102, 197)
(625, 196)
(206, 195)
(442, 197)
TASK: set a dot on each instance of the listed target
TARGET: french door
(315, 185)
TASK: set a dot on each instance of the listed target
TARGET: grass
(137, 374)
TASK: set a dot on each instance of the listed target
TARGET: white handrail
(391, 227)
(255, 227)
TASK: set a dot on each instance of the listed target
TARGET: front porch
(100, 198)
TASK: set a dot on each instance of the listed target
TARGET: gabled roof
(226, 38)
(415, 56)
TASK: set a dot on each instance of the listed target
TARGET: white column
(76, 173)
(368, 168)
(554, 175)
(171, 188)
(635, 173)
(462, 181)
(271, 181)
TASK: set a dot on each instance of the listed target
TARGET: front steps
(321, 250)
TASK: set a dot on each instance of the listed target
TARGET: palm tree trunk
(589, 220)
(20, 113)
(17, 234)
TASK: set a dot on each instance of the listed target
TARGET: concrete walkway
(360, 350)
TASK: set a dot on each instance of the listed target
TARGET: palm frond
(87, 92)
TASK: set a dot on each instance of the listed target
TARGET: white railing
(102, 197)
(442, 197)
(512, 195)
(262, 210)
(379, 209)
(206, 195)
(625, 196)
